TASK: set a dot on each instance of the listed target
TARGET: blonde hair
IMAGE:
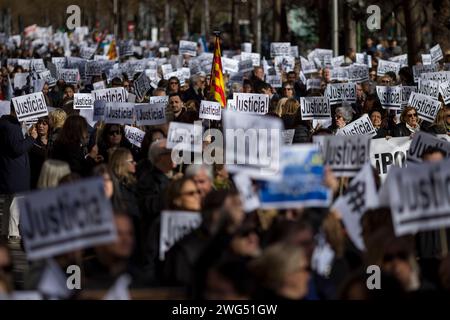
(290, 107)
(441, 117)
(52, 171)
(279, 108)
(57, 117)
(118, 165)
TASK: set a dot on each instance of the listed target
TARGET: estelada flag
(217, 84)
(112, 51)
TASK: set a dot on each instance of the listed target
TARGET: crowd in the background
(264, 254)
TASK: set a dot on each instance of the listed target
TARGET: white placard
(346, 155)
(280, 49)
(358, 73)
(255, 57)
(339, 92)
(119, 112)
(185, 136)
(99, 85)
(210, 110)
(70, 76)
(249, 197)
(390, 97)
(118, 94)
(307, 66)
(230, 65)
(30, 106)
(387, 66)
(288, 136)
(251, 103)
(275, 81)
(441, 76)
(20, 80)
(429, 88)
(159, 99)
(444, 90)
(385, 153)
(83, 101)
(246, 47)
(426, 59)
(150, 114)
(421, 142)
(174, 226)
(426, 107)
(313, 84)
(67, 218)
(361, 126)
(315, 108)
(141, 86)
(436, 53)
(134, 135)
(418, 70)
(187, 47)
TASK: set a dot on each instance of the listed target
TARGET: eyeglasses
(191, 193)
(385, 81)
(115, 132)
(410, 115)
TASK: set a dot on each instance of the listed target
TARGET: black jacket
(381, 133)
(190, 94)
(75, 156)
(37, 154)
(401, 130)
(14, 161)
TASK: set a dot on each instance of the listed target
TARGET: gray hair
(346, 113)
(156, 149)
(193, 169)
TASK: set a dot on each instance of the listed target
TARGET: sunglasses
(115, 132)
(410, 115)
(191, 193)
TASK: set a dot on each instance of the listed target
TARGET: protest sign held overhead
(444, 90)
(436, 53)
(111, 94)
(280, 49)
(70, 76)
(419, 197)
(346, 155)
(187, 47)
(150, 114)
(210, 110)
(390, 97)
(339, 92)
(315, 108)
(361, 126)
(418, 70)
(302, 183)
(406, 93)
(30, 106)
(429, 88)
(119, 112)
(65, 219)
(251, 103)
(141, 86)
(426, 107)
(134, 135)
(83, 101)
(387, 66)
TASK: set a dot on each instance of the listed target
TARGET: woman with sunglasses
(112, 137)
(39, 151)
(409, 123)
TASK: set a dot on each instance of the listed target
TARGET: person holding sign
(343, 116)
(376, 118)
(409, 123)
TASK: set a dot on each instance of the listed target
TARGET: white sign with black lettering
(30, 106)
(70, 76)
(118, 94)
(418, 70)
(65, 219)
(315, 108)
(339, 74)
(364, 58)
(251, 103)
(313, 84)
(337, 61)
(245, 66)
(83, 101)
(87, 52)
(419, 197)
(59, 62)
(255, 57)
(93, 68)
(385, 153)
(185, 137)
(339, 92)
(421, 142)
(187, 47)
(119, 112)
(444, 90)
(280, 49)
(210, 110)
(141, 86)
(346, 155)
(284, 63)
(47, 77)
(387, 66)
(390, 97)
(134, 135)
(426, 107)
(361, 126)
(150, 114)
(159, 99)
(360, 195)
(358, 73)
(174, 226)
(99, 85)
(436, 53)
(402, 59)
(429, 88)
(426, 59)
(406, 93)
(441, 76)
(37, 65)
(307, 66)
(275, 81)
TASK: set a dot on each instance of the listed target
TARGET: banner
(385, 153)
(360, 195)
(387, 66)
(251, 103)
(339, 92)
(150, 114)
(361, 126)
(185, 136)
(419, 197)
(426, 107)
(70, 217)
(118, 94)
(174, 226)
(302, 183)
(421, 142)
(134, 135)
(119, 112)
(210, 110)
(346, 155)
(390, 97)
(187, 47)
(429, 88)
(83, 101)
(30, 106)
(315, 108)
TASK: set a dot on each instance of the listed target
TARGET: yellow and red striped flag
(217, 84)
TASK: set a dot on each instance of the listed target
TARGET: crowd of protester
(264, 254)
